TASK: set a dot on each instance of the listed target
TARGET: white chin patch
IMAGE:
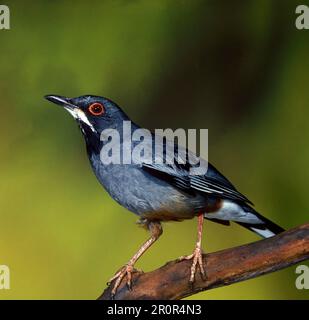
(80, 115)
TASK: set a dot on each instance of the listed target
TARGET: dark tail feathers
(266, 229)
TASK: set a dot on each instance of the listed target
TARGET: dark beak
(61, 101)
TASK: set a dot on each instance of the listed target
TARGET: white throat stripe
(80, 115)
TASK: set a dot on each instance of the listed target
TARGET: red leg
(196, 256)
(156, 230)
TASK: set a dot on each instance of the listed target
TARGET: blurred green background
(237, 68)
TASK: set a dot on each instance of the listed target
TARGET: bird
(159, 192)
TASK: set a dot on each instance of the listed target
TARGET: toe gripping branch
(155, 229)
(170, 282)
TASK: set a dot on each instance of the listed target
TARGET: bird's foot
(127, 271)
(197, 261)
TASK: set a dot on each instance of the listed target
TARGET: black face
(93, 113)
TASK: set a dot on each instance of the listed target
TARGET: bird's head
(93, 113)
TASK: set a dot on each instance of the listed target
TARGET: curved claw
(127, 271)
(197, 258)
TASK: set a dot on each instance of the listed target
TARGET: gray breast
(142, 193)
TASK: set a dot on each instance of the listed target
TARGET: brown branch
(223, 268)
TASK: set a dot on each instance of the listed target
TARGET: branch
(223, 268)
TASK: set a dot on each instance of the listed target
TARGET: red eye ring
(96, 109)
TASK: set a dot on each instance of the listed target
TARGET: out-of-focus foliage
(238, 68)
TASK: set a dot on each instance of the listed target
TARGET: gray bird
(157, 190)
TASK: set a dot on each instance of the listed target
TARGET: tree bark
(170, 282)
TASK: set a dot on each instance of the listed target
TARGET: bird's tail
(266, 229)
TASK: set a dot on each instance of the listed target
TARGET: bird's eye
(96, 109)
